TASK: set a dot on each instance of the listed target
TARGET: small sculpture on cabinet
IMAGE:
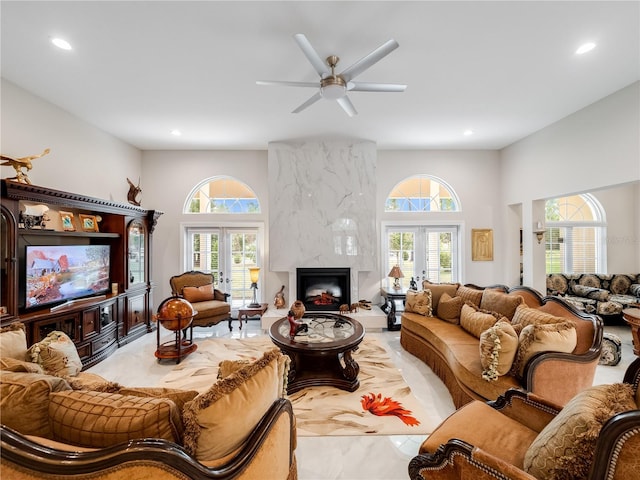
(134, 191)
(279, 301)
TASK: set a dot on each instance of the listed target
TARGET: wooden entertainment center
(99, 324)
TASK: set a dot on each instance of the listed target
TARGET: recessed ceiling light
(61, 43)
(175, 132)
(467, 132)
(586, 47)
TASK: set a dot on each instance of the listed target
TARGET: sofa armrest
(457, 459)
(526, 408)
(23, 458)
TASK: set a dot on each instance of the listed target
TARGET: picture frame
(67, 221)
(89, 223)
(482, 244)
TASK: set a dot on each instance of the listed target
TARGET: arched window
(422, 193)
(575, 235)
(222, 194)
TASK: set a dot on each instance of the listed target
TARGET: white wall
(83, 158)
(594, 148)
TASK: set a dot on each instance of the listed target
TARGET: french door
(422, 252)
(227, 253)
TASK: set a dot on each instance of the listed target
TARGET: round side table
(632, 317)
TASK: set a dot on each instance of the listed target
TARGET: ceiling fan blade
(320, 65)
(277, 83)
(309, 102)
(347, 106)
(375, 87)
(368, 60)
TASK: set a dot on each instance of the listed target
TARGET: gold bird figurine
(19, 163)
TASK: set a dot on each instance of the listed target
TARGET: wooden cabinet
(97, 323)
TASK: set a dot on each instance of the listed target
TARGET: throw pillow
(100, 419)
(469, 294)
(438, 289)
(476, 321)
(634, 290)
(529, 316)
(591, 292)
(498, 347)
(219, 420)
(565, 447)
(449, 308)
(177, 396)
(419, 302)
(13, 341)
(198, 294)
(24, 401)
(500, 302)
(10, 364)
(57, 355)
(552, 337)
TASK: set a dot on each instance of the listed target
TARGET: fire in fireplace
(323, 289)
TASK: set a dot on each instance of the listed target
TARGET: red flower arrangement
(388, 407)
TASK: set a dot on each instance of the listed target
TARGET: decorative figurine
(19, 163)
(279, 301)
(413, 285)
(295, 326)
(134, 191)
(33, 216)
(298, 309)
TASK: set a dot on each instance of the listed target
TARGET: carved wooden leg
(351, 367)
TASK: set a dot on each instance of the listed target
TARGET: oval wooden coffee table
(321, 356)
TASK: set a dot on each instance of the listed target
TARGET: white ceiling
(140, 69)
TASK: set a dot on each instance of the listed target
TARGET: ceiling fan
(334, 86)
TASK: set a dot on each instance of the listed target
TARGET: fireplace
(323, 289)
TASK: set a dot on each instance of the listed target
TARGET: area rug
(383, 405)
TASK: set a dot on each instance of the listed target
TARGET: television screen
(65, 272)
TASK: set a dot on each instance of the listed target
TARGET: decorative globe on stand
(175, 314)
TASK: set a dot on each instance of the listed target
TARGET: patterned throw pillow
(198, 294)
(498, 347)
(566, 445)
(500, 302)
(419, 302)
(449, 308)
(594, 293)
(56, 354)
(529, 316)
(468, 294)
(476, 321)
(550, 337)
(634, 290)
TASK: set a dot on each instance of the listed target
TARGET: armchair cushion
(565, 448)
(198, 294)
(419, 302)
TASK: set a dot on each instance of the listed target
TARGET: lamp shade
(254, 274)
(396, 272)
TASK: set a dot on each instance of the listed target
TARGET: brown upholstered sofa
(595, 436)
(82, 426)
(454, 353)
(210, 303)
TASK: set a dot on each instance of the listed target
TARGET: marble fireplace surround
(322, 196)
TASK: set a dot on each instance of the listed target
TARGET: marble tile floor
(351, 458)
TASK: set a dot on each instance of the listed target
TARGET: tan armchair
(596, 435)
(211, 303)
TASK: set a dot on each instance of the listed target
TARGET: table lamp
(254, 274)
(396, 274)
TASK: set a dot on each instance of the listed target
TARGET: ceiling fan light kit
(334, 86)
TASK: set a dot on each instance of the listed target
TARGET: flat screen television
(57, 273)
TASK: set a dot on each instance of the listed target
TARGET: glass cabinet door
(7, 268)
(136, 234)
